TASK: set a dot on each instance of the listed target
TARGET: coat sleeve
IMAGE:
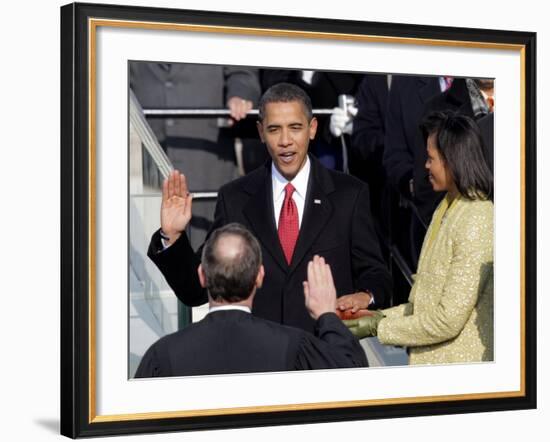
(242, 83)
(398, 156)
(398, 311)
(333, 346)
(469, 269)
(155, 363)
(368, 125)
(179, 263)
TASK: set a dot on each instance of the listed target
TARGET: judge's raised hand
(319, 289)
(175, 210)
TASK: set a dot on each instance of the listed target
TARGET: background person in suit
(322, 212)
(367, 137)
(487, 127)
(406, 102)
(392, 218)
(201, 147)
(231, 340)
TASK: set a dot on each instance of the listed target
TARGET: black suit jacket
(233, 341)
(406, 102)
(487, 128)
(367, 145)
(336, 225)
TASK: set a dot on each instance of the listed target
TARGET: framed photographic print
(113, 160)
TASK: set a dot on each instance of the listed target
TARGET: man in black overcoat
(329, 211)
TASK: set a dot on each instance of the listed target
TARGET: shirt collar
(218, 308)
(299, 182)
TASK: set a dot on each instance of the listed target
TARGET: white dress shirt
(299, 182)
(442, 84)
(218, 308)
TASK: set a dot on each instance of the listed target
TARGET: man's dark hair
(459, 142)
(231, 274)
(285, 93)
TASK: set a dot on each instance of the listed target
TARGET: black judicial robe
(233, 341)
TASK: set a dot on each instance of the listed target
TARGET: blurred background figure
(367, 125)
(367, 145)
(203, 148)
(407, 99)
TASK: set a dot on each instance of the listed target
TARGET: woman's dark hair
(459, 142)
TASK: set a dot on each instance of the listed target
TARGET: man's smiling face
(286, 132)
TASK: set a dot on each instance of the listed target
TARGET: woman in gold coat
(449, 316)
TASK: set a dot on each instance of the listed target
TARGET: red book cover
(347, 314)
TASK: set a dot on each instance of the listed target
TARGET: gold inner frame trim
(93, 24)
(297, 407)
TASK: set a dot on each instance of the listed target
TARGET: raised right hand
(319, 289)
(175, 210)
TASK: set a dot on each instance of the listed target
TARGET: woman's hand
(366, 326)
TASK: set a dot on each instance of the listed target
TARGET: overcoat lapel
(428, 89)
(317, 211)
(458, 96)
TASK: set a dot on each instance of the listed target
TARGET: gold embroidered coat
(449, 316)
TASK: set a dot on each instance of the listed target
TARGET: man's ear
(313, 128)
(260, 277)
(260, 130)
(202, 276)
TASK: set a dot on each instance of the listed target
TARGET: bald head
(231, 260)
(229, 248)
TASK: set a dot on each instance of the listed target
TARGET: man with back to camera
(231, 340)
(321, 212)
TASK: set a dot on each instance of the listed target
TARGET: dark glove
(366, 326)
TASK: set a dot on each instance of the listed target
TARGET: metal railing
(180, 112)
(148, 138)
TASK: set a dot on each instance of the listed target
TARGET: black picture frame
(77, 251)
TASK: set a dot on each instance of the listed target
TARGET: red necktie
(288, 223)
(448, 82)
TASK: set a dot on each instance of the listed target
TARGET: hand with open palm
(319, 289)
(175, 211)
